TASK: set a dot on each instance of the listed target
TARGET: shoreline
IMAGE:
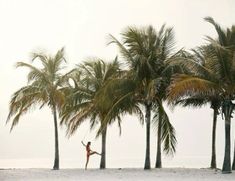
(115, 174)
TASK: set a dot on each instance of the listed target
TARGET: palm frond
(183, 86)
(168, 137)
(219, 30)
(124, 52)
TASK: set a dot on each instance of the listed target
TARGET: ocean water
(182, 162)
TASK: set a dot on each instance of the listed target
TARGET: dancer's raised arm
(83, 143)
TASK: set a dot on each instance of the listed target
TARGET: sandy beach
(166, 174)
(122, 85)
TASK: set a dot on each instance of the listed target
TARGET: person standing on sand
(89, 152)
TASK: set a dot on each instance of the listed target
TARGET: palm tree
(199, 56)
(215, 78)
(87, 99)
(144, 52)
(43, 89)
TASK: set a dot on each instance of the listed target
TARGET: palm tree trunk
(233, 167)
(227, 158)
(213, 155)
(103, 151)
(159, 144)
(56, 161)
(147, 120)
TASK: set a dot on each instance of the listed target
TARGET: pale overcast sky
(82, 26)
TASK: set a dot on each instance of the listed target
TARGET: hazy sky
(82, 27)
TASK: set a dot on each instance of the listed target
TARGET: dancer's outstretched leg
(94, 152)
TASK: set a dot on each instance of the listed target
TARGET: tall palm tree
(84, 100)
(200, 55)
(216, 78)
(43, 89)
(144, 50)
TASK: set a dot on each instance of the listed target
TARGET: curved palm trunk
(159, 144)
(147, 120)
(56, 161)
(103, 151)
(227, 110)
(213, 155)
(233, 167)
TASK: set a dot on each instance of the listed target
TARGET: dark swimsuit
(88, 151)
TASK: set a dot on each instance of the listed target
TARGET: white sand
(166, 174)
